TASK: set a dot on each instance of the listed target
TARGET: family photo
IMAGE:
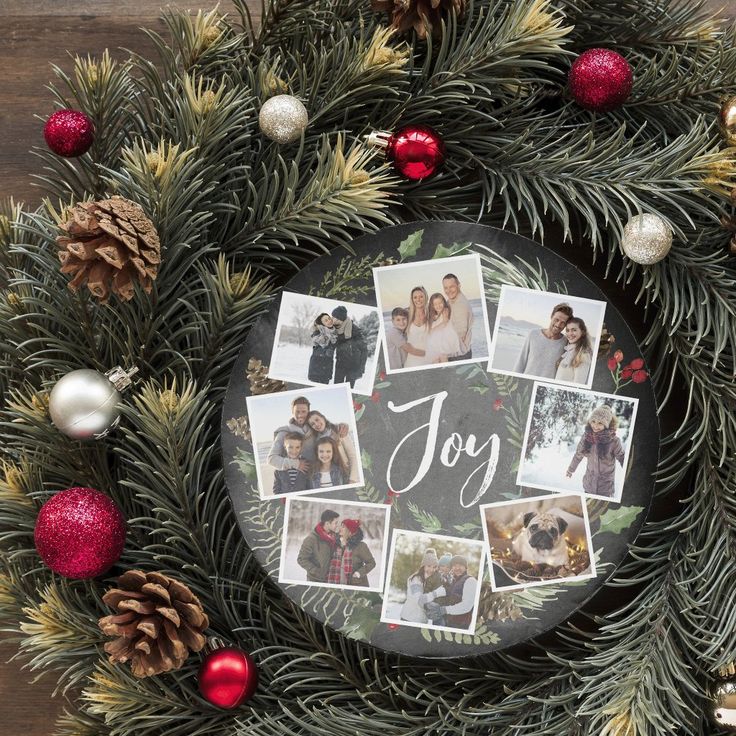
(335, 544)
(322, 341)
(538, 334)
(305, 441)
(538, 541)
(433, 581)
(577, 440)
(433, 313)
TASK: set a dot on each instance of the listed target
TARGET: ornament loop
(120, 378)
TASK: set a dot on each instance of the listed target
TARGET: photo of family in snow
(334, 544)
(305, 441)
(538, 541)
(577, 440)
(539, 334)
(433, 313)
(433, 581)
(322, 341)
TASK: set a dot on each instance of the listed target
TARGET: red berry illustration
(639, 376)
(637, 364)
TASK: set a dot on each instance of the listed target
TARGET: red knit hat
(352, 525)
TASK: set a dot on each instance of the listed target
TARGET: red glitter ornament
(69, 133)
(600, 80)
(80, 533)
(417, 151)
(228, 677)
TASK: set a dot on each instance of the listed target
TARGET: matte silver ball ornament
(283, 118)
(85, 404)
(724, 706)
(647, 239)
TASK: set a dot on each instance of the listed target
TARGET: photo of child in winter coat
(569, 427)
(601, 448)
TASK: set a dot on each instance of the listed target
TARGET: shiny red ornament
(228, 677)
(69, 133)
(600, 80)
(417, 151)
(80, 533)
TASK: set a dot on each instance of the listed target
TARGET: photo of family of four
(446, 323)
(310, 449)
(559, 347)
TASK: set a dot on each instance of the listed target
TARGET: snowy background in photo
(558, 420)
(293, 344)
(304, 515)
(522, 310)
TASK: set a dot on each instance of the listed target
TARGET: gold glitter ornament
(724, 706)
(283, 118)
(727, 120)
(647, 239)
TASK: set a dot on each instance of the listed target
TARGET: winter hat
(340, 312)
(459, 560)
(430, 558)
(602, 414)
(446, 559)
(352, 525)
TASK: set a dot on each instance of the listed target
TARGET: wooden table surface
(34, 36)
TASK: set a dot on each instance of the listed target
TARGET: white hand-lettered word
(451, 451)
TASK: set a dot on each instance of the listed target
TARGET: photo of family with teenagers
(543, 335)
(322, 341)
(299, 448)
(440, 320)
(537, 541)
(334, 543)
(434, 581)
(577, 440)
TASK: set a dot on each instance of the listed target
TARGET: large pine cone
(424, 16)
(110, 244)
(158, 621)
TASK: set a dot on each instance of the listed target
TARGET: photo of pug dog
(541, 540)
(538, 541)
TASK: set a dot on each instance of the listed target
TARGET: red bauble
(80, 533)
(228, 677)
(417, 151)
(69, 133)
(600, 80)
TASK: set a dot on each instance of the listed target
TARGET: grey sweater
(539, 355)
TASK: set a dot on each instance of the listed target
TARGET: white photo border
(505, 288)
(384, 547)
(599, 395)
(263, 398)
(370, 366)
(551, 581)
(484, 310)
(387, 581)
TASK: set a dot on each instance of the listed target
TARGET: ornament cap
(379, 139)
(120, 378)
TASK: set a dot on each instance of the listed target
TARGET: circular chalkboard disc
(442, 443)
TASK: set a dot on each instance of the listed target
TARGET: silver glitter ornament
(647, 239)
(724, 707)
(283, 118)
(85, 404)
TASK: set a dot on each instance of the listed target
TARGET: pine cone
(497, 606)
(424, 16)
(109, 245)
(260, 383)
(158, 621)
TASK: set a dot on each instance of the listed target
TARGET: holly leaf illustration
(367, 461)
(411, 245)
(360, 623)
(468, 529)
(451, 250)
(246, 464)
(616, 520)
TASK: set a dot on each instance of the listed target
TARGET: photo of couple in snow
(434, 581)
(439, 319)
(322, 341)
(305, 440)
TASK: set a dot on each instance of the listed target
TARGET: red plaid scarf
(341, 557)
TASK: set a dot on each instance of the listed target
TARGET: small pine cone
(497, 606)
(424, 16)
(109, 245)
(260, 383)
(606, 343)
(158, 621)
